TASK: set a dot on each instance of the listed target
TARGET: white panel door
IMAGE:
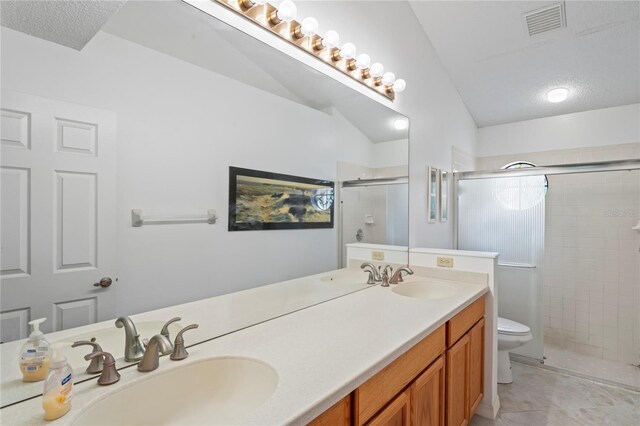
(58, 163)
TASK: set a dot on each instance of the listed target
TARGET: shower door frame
(397, 180)
(561, 169)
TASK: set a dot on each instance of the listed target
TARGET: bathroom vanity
(370, 357)
(437, 381)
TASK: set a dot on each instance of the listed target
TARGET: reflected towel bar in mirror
(138, 219)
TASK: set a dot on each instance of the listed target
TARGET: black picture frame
(235, 172)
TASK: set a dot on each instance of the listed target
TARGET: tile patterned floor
(542, 397)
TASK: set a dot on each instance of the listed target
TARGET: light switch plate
(445, 262)
(377, 255)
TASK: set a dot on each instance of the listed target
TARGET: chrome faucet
(151, 358)
(374, 273)
(133, 348)
(396, 278)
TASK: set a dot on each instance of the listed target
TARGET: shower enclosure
(569, 263)
(373, 211)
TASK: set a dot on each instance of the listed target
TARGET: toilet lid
(506, 326)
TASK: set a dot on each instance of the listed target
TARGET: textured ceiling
(69, 23)
(503, 74)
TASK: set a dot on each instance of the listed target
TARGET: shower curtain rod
(375, 181)
(561, 169)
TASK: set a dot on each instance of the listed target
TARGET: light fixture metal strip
(261, 13)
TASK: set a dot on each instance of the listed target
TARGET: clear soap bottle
(58, 389)
(35, 355)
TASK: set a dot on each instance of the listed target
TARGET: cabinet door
(427, 396)
(476, 366)
(397, 413)
(457, 388)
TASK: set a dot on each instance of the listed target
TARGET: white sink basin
(111, 340)
(426, 290)
(346, 277)
(217, 391)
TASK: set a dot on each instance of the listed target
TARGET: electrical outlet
(377, 255)
(445, 262)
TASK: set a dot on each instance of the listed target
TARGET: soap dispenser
(35, 355)
(58, 389)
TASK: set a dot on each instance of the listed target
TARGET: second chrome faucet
(385, 276)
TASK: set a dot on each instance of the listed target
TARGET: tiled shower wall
(592, 256)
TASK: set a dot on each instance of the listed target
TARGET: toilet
(511, 335)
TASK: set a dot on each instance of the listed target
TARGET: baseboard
(489, 411)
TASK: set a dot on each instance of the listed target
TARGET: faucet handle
(109, 374)
(385, 279)
(165, 328)
(179, 351)
(96, 364)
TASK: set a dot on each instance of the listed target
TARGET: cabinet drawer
(461, 323)
(338, 415)
(376, 392)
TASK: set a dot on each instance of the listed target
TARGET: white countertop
(216, 315)
(320, 354)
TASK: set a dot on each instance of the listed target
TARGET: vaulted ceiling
(503, 74)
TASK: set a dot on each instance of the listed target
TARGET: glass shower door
(506, 215)
(374, 214)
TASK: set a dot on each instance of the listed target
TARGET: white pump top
(36, 334)
(58, 359)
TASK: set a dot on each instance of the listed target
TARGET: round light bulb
(399, 85)
(376, 70)
(557, 95)
(348, 51)
(287, 11)
(330, 39)
(363, 62)
(309, 26)
(400, 124)
(388, 78)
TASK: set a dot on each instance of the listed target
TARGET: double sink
(221, 390)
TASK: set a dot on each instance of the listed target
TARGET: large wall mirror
(116, 162)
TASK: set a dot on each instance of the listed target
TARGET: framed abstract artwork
(260, 200)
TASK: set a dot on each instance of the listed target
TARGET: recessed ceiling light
(557, 95)
(401, 124)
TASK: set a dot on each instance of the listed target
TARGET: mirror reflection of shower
(374, 211)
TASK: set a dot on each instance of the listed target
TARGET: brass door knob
(104, 282)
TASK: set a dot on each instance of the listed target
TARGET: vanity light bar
(281, 21)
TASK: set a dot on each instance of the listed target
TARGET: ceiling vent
(545, 19)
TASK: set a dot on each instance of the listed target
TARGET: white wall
(602, 127)
(392, 35)
(179, 128)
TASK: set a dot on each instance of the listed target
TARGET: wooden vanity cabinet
(438, 381)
